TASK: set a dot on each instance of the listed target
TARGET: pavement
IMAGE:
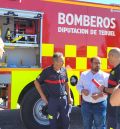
(10, 119)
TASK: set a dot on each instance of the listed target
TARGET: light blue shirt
(85, 82)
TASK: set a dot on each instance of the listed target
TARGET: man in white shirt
(94, 103)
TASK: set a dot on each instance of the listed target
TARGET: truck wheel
(31, 111)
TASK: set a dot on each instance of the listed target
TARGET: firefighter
(55, 79)
(115, 101)
(114, 80)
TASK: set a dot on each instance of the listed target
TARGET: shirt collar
(96, 72)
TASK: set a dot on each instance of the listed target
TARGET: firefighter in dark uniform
(114, 80)
(55, 80)
(115, 101)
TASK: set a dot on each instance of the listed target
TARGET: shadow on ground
(10, 119)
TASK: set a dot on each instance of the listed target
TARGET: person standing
(114, 80)
(94, 102)
(55, 79)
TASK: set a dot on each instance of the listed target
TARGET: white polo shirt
(85, 82)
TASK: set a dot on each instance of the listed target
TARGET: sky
(103, 1)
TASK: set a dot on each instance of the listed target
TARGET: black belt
(93, 103)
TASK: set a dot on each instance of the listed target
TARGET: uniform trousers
(58, 107)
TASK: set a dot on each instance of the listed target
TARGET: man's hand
(96, 96)
(85, 92)
(70, 100)
(101, 88)
(45, 100)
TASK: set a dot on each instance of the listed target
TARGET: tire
(30, 110)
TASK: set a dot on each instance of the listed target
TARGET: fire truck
(33, 30)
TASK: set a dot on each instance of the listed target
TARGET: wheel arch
(24, 91)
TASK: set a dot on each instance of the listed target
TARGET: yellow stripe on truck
(17, 83)
(89, 4)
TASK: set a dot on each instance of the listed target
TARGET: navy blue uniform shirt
(114, 80)
(53, 81)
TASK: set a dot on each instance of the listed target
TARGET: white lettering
(78, 20)
(106, 22)
(73, 30)
(69, 19)
(113, 25)
(99, 22)
(61, 18)
(86, 20)
(106, 33)
(93, 21)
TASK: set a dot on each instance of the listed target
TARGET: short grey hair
(57, 55)
(115, 51)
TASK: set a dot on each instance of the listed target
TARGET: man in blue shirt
(94, 103)
(55, 79)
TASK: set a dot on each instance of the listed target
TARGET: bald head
(114, 56)
(115, 52)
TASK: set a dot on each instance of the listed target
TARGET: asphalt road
(10, 119)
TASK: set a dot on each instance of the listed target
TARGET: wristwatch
(105, 90)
